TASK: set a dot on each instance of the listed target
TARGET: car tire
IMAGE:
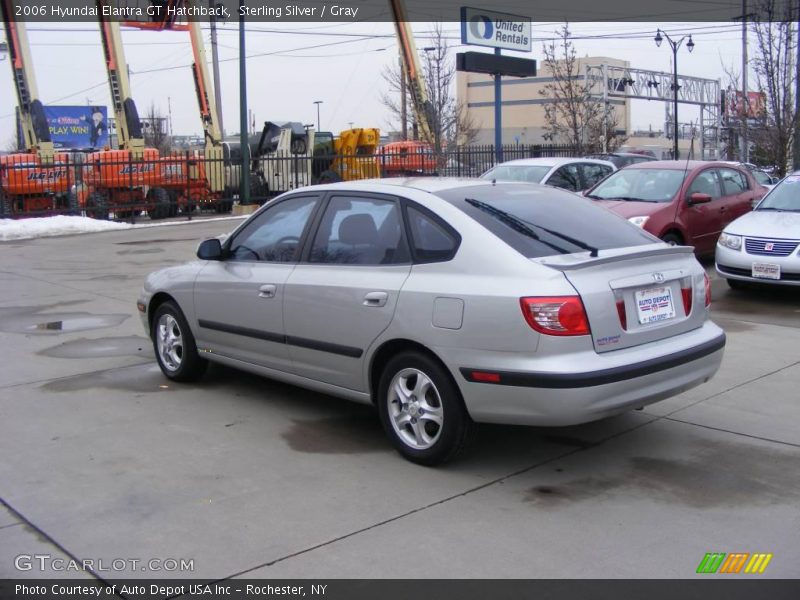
(429, 429)
(672, 239)
(97, 206)
(174, 345)
(158, 199)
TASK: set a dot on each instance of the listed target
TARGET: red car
(681, 202)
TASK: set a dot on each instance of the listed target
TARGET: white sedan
(572, 174)
(764, 245)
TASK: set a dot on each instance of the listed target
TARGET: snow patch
(23, 229)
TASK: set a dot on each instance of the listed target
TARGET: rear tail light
(556, 315)
(708, 289)
(623, 317)
(687, 294)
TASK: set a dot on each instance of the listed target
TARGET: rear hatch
(635, 296)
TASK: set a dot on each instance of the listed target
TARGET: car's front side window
(566, 178)
(275, 234)
(705, 183)
(360, 231)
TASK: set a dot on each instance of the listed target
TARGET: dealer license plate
(654, 304)
(766, 271)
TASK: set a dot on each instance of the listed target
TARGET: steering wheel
(287, 239)
(246, 249)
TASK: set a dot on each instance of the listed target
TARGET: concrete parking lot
(104, 459)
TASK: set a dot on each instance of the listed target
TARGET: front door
(239, 300)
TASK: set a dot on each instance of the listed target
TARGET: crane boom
(34, 123)
(205, 95)
(129, 128)
(413, 72)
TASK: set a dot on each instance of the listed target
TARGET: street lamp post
(674, 45)
(318, 102)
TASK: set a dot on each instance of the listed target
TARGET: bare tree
(574, 113)
(449, 121)
(155, 131)
(773, 63)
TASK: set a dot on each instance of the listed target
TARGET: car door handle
(267, 290)
(375, 299)
(723, 208)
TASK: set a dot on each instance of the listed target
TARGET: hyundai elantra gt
(444, 303)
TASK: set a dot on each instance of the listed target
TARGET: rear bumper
(626, 380)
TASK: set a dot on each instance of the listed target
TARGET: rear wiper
(523, 227)
(593, 250)
(516, 224)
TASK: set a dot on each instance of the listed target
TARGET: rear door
(737, 193)
(344, 293)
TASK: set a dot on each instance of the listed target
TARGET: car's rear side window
(519, 214)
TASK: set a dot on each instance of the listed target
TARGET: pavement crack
(69, 287)
(722, 429)
(25, 521)
(725, 391)
(431, 505)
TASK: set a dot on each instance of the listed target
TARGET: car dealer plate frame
(766, 271)
(654, 305)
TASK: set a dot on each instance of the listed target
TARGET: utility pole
(796, 144)
(745, 152)
(244, 181)
(215, 65)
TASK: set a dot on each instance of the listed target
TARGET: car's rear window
(519, 213)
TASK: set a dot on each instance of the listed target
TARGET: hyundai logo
(658, 277)
(769, 246)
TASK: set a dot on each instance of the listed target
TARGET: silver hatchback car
(443, 302)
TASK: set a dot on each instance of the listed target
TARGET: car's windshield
(784, 196)
(648, 185)
(523, 173)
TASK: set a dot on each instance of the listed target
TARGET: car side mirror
(699, 198)
(773, 180)
(210, 250)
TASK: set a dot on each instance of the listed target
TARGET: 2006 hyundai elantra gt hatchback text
(444, 303)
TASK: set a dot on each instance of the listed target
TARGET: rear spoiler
(582, 260)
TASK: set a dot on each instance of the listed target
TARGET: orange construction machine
(135, 178)
(37, 180)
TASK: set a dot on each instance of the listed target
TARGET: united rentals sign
(496, 30)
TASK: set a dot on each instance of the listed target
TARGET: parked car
(573, 174)
(764, 245)
(444, 302)
(762, 177)
(681, 202)
(623, 159)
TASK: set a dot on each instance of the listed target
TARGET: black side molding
(594, 378)
(279, 338)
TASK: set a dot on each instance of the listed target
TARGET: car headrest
(358, 229)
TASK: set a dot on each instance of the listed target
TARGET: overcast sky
(343, 70)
